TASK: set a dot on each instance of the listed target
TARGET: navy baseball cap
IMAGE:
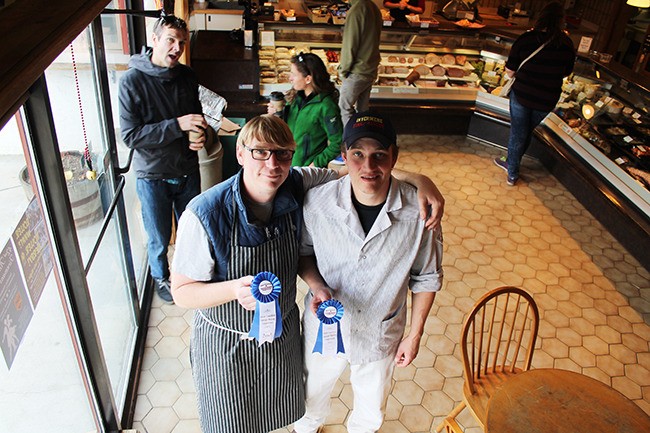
(369, 125)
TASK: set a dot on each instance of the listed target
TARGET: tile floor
(594, 298)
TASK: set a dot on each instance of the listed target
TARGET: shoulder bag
(505, 90)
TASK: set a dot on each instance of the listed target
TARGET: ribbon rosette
(329, 341)
(267, 321)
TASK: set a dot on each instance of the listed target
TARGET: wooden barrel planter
(85, 198)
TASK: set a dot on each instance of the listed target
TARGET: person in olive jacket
(359, 57)
(312, 112)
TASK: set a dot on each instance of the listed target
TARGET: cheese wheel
(432, 59)
(422, 70)
(455, 72)
(438, 71)
(448, 59)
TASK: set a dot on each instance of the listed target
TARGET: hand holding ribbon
(329, 341)
(267, 321)
(244, 294)
(318, 297)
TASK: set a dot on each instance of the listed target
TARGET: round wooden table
(561, 401)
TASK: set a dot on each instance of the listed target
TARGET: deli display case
(596, 142)
(446, 62)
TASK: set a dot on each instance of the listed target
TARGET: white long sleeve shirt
(369, 274)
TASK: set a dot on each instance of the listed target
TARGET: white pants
(370, 387)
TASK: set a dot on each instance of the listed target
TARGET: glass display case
(449, 64)
(605, 119)
(469, 66)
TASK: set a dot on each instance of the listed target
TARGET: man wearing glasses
(245, 225)
(159, 106)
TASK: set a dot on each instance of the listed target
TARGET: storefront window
(82, 136)
(41, 382)
(117, 52)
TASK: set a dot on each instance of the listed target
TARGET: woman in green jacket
(312, 112)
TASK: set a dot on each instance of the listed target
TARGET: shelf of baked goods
(432, 70)
(436, 74)
(612, 135)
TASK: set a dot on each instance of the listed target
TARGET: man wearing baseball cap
(365, 245)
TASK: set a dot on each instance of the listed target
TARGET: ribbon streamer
(267, 321)
(329, 341)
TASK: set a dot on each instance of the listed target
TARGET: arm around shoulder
(429, 197)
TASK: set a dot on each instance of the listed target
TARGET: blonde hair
(267, 128)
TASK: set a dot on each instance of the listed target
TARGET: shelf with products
(597, 142)
(446, 61)
(600, 134)
(609, 118)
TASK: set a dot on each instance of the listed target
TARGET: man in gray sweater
(159, 106)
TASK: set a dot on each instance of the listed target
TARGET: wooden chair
(497, 342)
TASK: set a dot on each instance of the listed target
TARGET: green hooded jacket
(316, 127)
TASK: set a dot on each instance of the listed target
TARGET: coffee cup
(276, 100)
(195, 136)
(278, 106)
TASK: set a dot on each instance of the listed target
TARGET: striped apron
(242, 387)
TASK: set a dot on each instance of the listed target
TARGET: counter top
(494, 24)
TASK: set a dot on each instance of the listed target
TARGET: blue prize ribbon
(336, 319)
(266, 298)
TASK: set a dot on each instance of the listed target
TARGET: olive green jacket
(360, 48)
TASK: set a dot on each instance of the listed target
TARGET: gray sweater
(150, 100)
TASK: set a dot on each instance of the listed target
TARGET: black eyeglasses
(265, 154)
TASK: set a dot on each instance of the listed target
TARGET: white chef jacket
(369, 274)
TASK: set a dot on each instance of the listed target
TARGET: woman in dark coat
(539, 81)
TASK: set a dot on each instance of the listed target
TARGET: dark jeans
(523, 121)
(158, 197)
